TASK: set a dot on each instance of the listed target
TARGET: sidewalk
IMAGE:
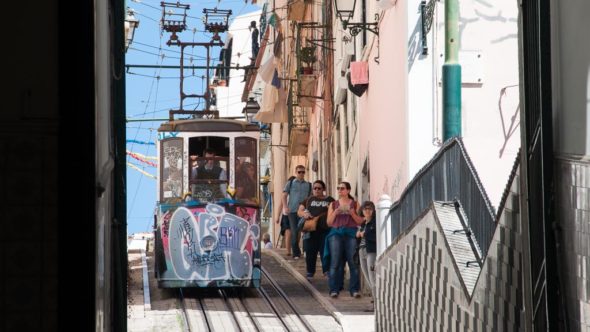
(353, 314)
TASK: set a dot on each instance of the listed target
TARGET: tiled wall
(28, 245)
(421, 290)
(573, 212)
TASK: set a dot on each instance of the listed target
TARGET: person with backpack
(295, 192)
(315, 207)
(283, 222)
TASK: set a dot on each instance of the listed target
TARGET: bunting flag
(140, 142)
(141, 171)
(137, 156)
(143, 156)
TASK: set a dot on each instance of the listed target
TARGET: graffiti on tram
(208, 243)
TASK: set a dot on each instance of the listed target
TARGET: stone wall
(421, 285)
(573, 214)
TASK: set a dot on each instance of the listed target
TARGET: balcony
(298, 123)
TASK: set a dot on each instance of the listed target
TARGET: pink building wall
(382, 111)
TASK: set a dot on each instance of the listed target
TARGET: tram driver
(209, 170)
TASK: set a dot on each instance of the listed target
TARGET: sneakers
(326, 275)
(356, 295)
(309, 276)
(333, 294)
(295, 257)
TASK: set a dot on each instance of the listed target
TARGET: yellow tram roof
(205, 125)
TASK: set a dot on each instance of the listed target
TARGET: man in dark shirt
(210, 170)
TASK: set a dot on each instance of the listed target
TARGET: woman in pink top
(341, 241)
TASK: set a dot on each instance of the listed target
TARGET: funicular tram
(207, 219)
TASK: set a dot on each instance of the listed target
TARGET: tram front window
(208, 176)
(246, 170)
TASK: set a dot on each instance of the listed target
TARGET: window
(208, 168)
(171, 170)
(246, 173)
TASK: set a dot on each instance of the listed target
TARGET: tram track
(299, 324)
(267, 308)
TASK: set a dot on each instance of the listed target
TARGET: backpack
(308, 192)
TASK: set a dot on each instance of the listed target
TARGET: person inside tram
(246, 182)
(209, 170)
(193, 165)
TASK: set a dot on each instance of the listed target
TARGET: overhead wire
(151, 105)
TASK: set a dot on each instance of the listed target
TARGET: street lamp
(130, 24)
(252, 107)
(345, 12)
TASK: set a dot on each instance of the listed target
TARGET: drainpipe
(451, 73)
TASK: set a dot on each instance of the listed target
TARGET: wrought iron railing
(449, 176)
(297, 115)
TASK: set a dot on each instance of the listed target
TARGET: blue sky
(152, 92)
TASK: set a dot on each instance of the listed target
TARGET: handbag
(310, 225)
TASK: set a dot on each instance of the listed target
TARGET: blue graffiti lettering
(165, 135)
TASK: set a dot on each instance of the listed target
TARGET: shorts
(284, 224)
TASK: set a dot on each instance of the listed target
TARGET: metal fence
(449, 176)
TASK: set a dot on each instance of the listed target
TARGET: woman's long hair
(347, 185)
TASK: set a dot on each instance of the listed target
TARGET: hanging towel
(267, 70)
(359, 72)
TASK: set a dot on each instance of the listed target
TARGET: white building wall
(490, 88)
(229, 99)
(423, 116)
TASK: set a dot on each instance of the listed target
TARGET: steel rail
(287, 300)
(187, 327)
(224, 296)
(254, 320)
(204, 310)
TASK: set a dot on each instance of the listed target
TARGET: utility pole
(174, 21)
(451, 73)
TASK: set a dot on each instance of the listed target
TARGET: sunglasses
(318, 188)
(300, 172)
(341, 188)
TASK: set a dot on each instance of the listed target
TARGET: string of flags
(141, 171)
(142, 158)
(140, 142)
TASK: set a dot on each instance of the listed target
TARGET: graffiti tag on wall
(211, 244)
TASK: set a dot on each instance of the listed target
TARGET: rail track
(267, 308)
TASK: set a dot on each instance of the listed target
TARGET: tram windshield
(208, 168)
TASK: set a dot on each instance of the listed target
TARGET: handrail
(448, 176)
